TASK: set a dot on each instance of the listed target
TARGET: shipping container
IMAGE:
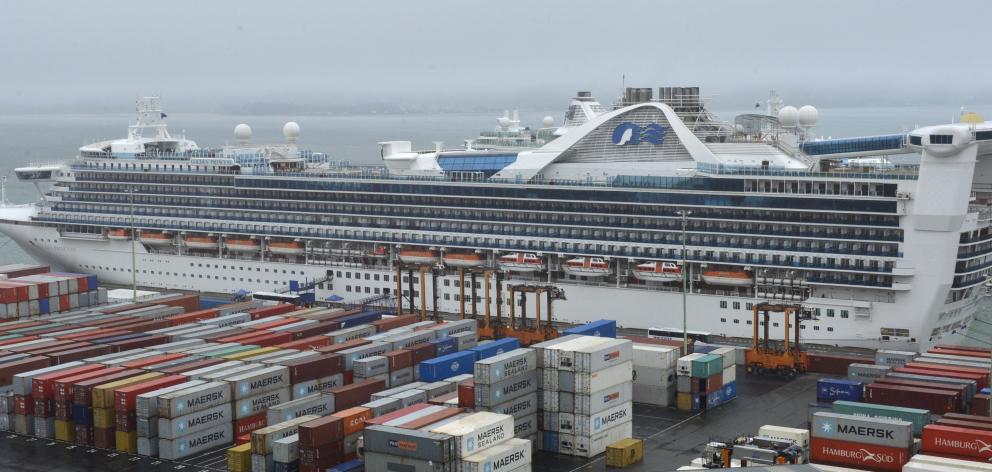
(845, 453)
(863, 430)
(348, 396)
(146, 404)
(125, 397)
(200, 397)
(185, 446)
(583, 383)
(371, 366)
(444, 346)
(449, 365)
(383, 406)
(655, 357)
(601, 328)
(589, 425)
(478, 431)
(321, 431)
(828, 390)
(494, 348)
(589, 446)
(173, 428)
(511, 455)
(918, 417)
(258, 381)
(937, 401)
(251, 406)
(262, 439)
(970, 386)
(414, 444)
(592, 354)
(487, 395)
(315, 405)
(353, 419)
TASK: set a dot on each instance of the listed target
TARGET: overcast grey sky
(212, 55)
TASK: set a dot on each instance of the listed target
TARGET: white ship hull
(521, 267)
(656, 276)
(462, 263)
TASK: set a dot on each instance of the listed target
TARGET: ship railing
(888, 172)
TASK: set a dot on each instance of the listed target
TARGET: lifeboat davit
(286, 248)
(200, 242)
(119, 234)
(154, 238)
(658, 271)
(418, 256)
(242, 245)
(464, 259)
(729, 278)
(521, 262)
(587, 267)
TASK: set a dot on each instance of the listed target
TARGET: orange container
(354, 418)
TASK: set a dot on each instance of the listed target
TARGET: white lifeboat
(201, 242)
(464, 259)
(119, 234)
(729, 278)
(658, 271)
(521, 262)
(587, 267)
(242, 245)
(418, 256)
(154, 238)
(286, 248)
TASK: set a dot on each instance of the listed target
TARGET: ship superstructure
(882, 255)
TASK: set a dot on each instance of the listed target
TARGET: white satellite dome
(242, 132)
(291, 130)
(788, 117)
(504, 122)
(808, 116)
(548, 121)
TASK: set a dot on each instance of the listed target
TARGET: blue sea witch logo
(631, 133)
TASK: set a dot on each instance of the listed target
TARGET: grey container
(457, 327)
(506, 365)
(756, 454)
(867, 372)
(550, 420)
(595, 402)
(146, 404)
(361, 352)
(355, 332)
(246, 407)
(526, 426)
(371, 366)
(318, 405)
(405, 340)
(392, 391)
(172, 428)
(147, 427)
(652, 395)
(310, 387)
(263, 439)
(384, 406)
(263, 463)
(893, 358)
(286, 449)
(400, 376)
(147, 446)
(196, 373)
(952, 362)
(224, 374)
(436, 389)
(593, 354)
(409, 443)
(683, 384)
(862, 429)
(183, 402)
(518, 407)
(411, 397)
(971, 388)
(257, 381)
(465, 340)
(389, 462)
(508, 389)
(185, 446)
(22, 381)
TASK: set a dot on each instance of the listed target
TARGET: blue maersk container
(601, 328)
(830, 390)
(495, 348)
(440, 368)
(445, 346)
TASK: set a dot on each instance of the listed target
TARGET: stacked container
(507, 384)
(263, 442)
(699, 382)
(194, 419)
(867, 443)
(654, 374)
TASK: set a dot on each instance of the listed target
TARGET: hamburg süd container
(847, 453)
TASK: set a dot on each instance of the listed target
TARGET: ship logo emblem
(826, 427)
(630, 133)
(870, 456)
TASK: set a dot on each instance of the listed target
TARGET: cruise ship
(879, 254)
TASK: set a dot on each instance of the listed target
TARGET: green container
(230, 350)
(918, 417)
(707, 366)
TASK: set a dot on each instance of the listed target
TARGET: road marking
(676, 425)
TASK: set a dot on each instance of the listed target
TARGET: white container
(148, 446)
(455, 327)
(411, 397)
(405, 340)
(246, 407)
(796, 435)
(478, 432)
(508, 364)
(487, 395)
(400, 377)
(355, 332)
(519, 407)
(263, 439)
(222, 375)
(173, 449)
(596, 381)
(684, 364)
(586, 425)
(361, 352)
(390, 392)
(505, 457)
(652, 395)
(186, 401)
(607, 398)
(656, 357)
(313, 405)
(229, 320)
(23, 380)
(262, 463)
(371, 366)
(729, 375)
(589, 446)
(728, 354)
(525, 427)
(255, 382)
(288, 357)
(172, 428)
(310, 387)
(654, 377)
(196, 373)
(146, 404)
(287, 449)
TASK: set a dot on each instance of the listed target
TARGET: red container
(314, 367)
(348, 396)
(192, 317)
(432, 418)
(954, 347)
(11, 292)
(95, 334)
(862, 456)
(43, 407)
(948, 367)
(272, 310)
(956, 441)
(344, 345)
(43, 386)
(960, 389)
(22, 270)
(126, 421)
(152, 360)
(63, 410)
(937, 401)
(267, 339)
(243, 439)
(21, 339)
(85, 352)
(964, 417)
(64, 303)
(306, 344)
(442, 399)
(313, 459)
(23, 405)
(41, 345)
(231, 331)
(146, 341)
(124, 398)
(82, 391)
(981, 380)
(466, 394)
(380, 420)
(314, 330)
(834, 364)
(104, 438)
(53, 349)
(960, 352)
(64, 386)
(275, 323)
(9, 369)
(353, 419)
(321, 431)
(112, 320)
(145, 326)
(421, 352)
(249, 424)
(387, 324)
(965, 424)
(176, 369)
(188, 302)
(399, 359)
(980, 405)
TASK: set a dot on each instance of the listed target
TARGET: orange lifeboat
(587, 267)
(658, 271)
(200, 242)
(119, 234)
(418, 256)
(378, 252)
(521, 262)
(464, 259)
(729, 278)
(242, 245)
(286, 248)
(154, 238)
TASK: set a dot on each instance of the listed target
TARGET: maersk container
(172, 428)
(600, 328)
(707, 365)
(487, 395)
(465, 340)
(224, 374)
(519, 407)
(411, 443)
(526, 426)
(589, 446)
(406, 340)
(362, 352)
(436, 389)
(509, 364)
(440, 368)
(185, 446)
(893, 358)
(411, 397)
(255, 382)
(509, 456)
(478, 431)
(371, 366)
(384, 406)
(828, 390)
(586, 425)
(495, 348)
(864, 430)
(200, 397)
(196, 373)
(146, 404)
(322, 384)
(456, 327)
(866, 372)
(684, 364)
(919, 417)
(251, 406)
(319, 405)
(347, 334)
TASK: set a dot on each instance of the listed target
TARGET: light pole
(134, 265)
(685, 281)
(990, 356)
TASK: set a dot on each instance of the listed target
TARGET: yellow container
(104, 418)
(251, 353)
(103, 395)
(127, 441)
(239, 458)
(65, 430)
(683, 401)
(625, 452)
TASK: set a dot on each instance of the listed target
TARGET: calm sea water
(42, 138)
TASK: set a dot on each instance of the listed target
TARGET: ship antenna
(3, 191)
